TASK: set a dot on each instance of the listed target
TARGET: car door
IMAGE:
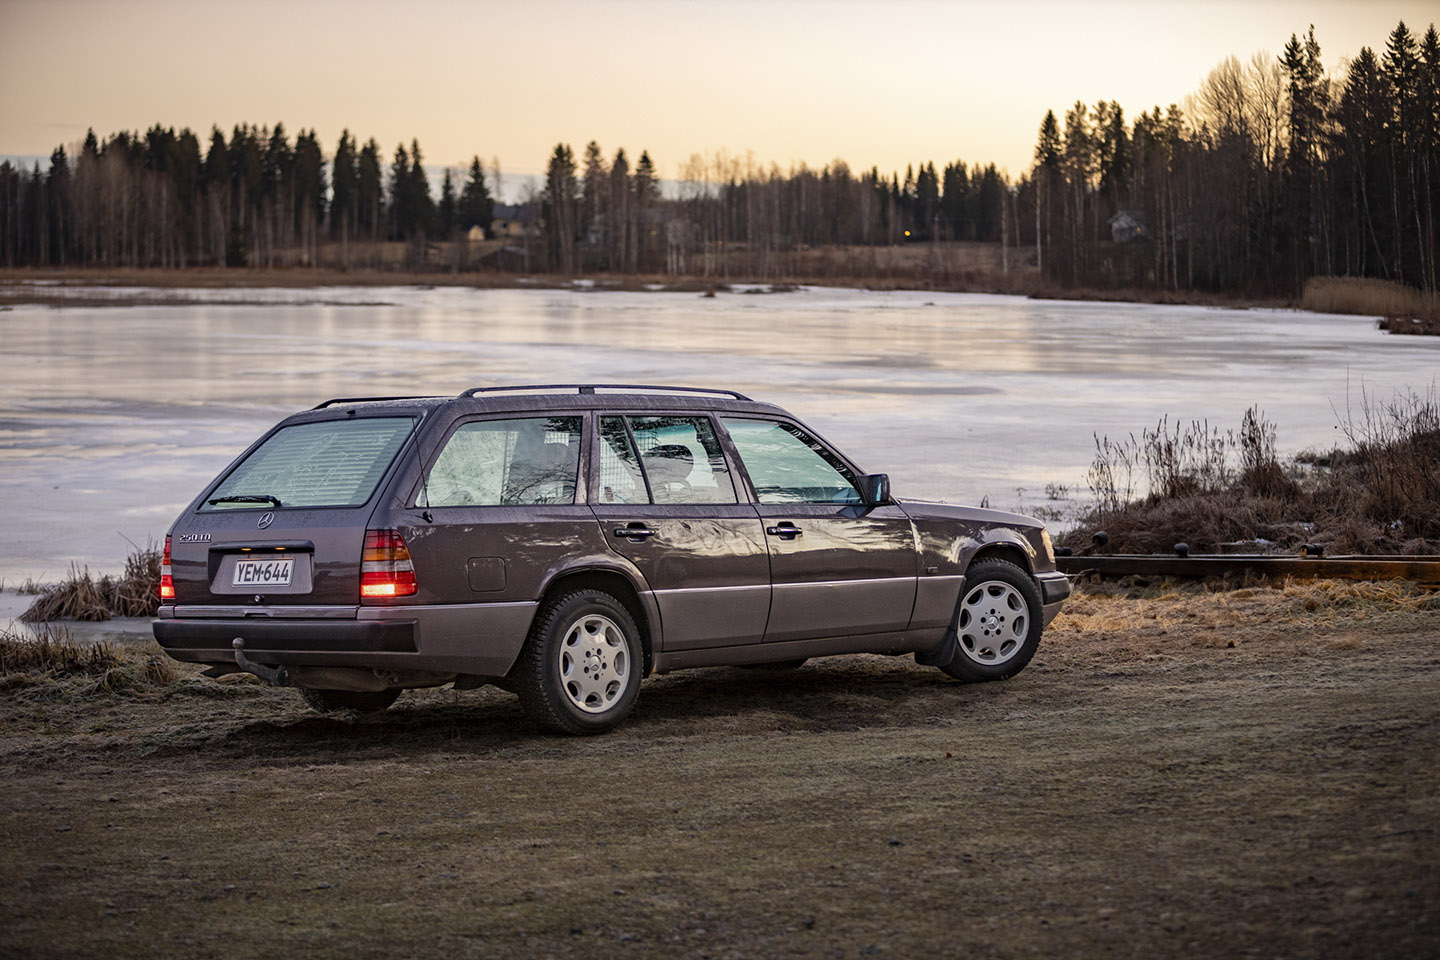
(668, 502)
(501, 501)
(837, 566)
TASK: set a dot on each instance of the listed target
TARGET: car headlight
(1048, 544)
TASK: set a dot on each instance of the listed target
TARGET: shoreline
(25, 285)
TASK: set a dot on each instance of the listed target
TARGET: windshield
(332, 463)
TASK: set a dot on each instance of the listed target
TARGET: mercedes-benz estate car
(566, 541)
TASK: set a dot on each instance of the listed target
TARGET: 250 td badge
(194, 538)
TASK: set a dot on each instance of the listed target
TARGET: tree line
(1272, 172)
(258, 198)
(1276, 172)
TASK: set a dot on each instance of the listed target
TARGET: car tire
(998, 622)
(361, 701)
(580, 669)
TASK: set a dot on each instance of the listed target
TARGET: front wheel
(580, 669)
(999, 623)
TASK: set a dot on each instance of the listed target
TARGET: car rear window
(331, 463)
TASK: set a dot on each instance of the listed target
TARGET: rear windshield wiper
(247, 498)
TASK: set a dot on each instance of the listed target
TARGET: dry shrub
(135, 593)
(1381, 496)
(1375, 298)
(1396, 460)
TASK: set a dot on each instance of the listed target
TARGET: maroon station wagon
(565, 541)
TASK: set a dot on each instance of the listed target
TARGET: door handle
(785, 530)
(634, 532)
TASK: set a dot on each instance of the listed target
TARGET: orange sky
(875, 83)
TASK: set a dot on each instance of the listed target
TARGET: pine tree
(622, 213)
(646, 189)
(1047, 185)
(1306, 114)
(476, 208)
(369, 192)
(446, 213)
(595, 194)
(1401, 68)
(560, 209)
(401, 210)
(421, 204)
(954, 197)
(344, 195)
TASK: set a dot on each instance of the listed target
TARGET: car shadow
(841, 694)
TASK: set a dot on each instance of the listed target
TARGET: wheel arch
(622, 588)
(1003, 550)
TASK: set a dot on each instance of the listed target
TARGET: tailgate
(285, 524)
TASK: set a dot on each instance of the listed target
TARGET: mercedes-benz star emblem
(265, 520)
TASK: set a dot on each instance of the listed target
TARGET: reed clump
(134, 593)
(53, 652)
(1192, 483)
(1401, 309)
(52, 665)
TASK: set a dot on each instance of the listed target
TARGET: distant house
(515, 221)
(475, 234)
(1128, 225)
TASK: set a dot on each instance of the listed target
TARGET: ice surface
(112, 419)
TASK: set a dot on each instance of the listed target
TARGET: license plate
(263, 573)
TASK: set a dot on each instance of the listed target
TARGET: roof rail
(592, 387)
(331, 403)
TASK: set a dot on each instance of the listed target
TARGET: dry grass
(52, 667)
(135, 593)
(53, 653)
(1402, 309)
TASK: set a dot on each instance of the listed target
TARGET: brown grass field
(1196, 771)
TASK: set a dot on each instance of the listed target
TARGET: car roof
(545, 398)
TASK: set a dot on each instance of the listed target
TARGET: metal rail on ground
(1424, 570)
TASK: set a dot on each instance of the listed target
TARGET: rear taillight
(167, 580)
(385, 567)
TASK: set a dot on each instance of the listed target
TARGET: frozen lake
(112, 418)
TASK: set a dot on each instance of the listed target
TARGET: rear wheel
(999, 623)
(361, 701)
(580, 669)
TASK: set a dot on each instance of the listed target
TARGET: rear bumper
(276, 636)
(1054, 589)
(481, 638)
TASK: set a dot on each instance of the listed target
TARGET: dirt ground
(1182, 771)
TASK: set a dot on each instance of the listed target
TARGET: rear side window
(332, 463)
(492, 463)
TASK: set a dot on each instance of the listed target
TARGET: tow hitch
(275, 676)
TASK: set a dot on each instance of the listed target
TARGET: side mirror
(875, 488)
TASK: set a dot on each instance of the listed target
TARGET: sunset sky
(875, 83)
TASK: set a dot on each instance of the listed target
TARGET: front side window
(329, 463)
(491, 463)
(787, 465)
